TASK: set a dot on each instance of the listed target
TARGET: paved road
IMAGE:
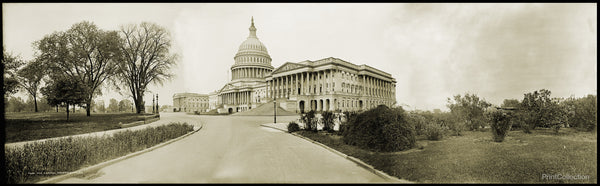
(234, 149)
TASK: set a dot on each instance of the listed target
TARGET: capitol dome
(252, 51)
(252, 59)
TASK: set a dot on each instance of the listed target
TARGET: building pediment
(287, 67)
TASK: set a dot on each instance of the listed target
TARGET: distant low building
(190, 102)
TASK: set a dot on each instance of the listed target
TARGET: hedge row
(33, 161)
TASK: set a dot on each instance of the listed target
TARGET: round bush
(293, 127)
(380, 129)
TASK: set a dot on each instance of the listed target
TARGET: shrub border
(123, 126)
(353, 159)
(95, 168)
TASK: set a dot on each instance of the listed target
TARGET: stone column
(285, 85)
(310, 82)
(307, 85)
(302, 85)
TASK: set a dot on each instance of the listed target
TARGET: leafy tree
(124, 105)
(113, 105)
(43, 105)
(65, 92)
(514, 103)
(100, 106)
(15, 104)
(164, 107)
(10, 64)
(582, 112)
(84, 53)
(30, 79)
(468, 110)
(542, 111)
(146, 59)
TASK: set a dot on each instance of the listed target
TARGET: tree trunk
(67, 112)
(35, 103)
(139, 104)
(88, 107)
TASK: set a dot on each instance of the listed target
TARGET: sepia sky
(435, 51)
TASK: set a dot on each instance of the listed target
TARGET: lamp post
(274, 111)
(153, 104)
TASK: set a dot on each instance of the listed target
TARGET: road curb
(95, 168)
(353, 159)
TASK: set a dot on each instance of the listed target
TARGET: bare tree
(30, 79)
(146, 59)
(84, 52)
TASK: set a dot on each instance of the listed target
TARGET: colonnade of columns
(322, 82)
(304, 83)
(377, 87)
(237, 98)
(249, 72)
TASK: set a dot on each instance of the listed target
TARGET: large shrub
(380, 129)
(309, 120)
(328, 121)
(293, 127)
(499, 122)
(418, 121)
(348, 117)
(433, 131)
(455, 125)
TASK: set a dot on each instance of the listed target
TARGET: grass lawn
(475, 158)
(25, 126)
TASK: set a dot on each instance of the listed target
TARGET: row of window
(202, 105)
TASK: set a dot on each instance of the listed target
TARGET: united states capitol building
(329, 84)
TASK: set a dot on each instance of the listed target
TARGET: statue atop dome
(252, 29)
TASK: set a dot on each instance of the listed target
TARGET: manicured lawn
(475, 158)
(25, 126)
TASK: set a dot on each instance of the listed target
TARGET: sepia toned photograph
(394, 93)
